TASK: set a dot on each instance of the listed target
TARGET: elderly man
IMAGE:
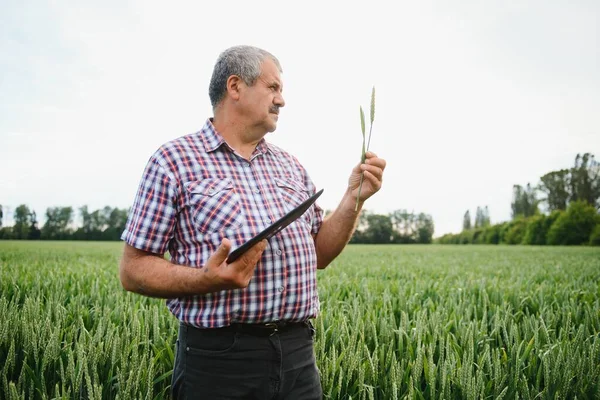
(245, 328)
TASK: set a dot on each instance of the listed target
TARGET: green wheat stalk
(364, 152)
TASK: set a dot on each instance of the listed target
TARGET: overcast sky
(472, 96)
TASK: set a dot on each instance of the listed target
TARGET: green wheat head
(368, 142)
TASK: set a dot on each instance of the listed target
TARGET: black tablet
(275, 227)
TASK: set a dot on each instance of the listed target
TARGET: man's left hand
(373, 175)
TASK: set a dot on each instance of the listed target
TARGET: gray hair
(243, 61)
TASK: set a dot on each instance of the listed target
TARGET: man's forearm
(336, 231)
(153, 276)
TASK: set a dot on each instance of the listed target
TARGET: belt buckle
(272, 325)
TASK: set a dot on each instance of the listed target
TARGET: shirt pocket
(293, 193)
(214, 205)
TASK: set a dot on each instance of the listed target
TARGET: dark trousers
(229, 364)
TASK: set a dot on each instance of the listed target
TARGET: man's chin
(271, 127)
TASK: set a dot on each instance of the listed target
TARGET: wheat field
(397, 322)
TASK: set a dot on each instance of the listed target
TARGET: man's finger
(377, 172)
(375, 182)
(220, 255)
(251, 257)
(379, 162)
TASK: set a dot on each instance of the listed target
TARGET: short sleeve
(317, 220)
(317, 217)
(151, 221)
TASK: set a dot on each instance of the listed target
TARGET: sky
(472, 96)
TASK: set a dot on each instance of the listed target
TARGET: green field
(471, 322)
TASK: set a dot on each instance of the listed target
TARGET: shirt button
(256, 190)
(278, 252)
(268, 220)
(280, 288)
(211, 191)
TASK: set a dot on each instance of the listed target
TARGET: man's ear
(234, 84)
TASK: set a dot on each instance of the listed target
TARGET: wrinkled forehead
(271, 71)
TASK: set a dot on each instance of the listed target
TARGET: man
(245, 328)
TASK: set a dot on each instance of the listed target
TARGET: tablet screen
(275, 227)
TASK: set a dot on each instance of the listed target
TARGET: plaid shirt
(195, 191)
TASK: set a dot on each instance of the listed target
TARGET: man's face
(260, 103)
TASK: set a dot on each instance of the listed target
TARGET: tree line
(570, 199)
(400, 226)
(108, 223)
(103, 224)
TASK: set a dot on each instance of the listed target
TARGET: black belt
(265, 329)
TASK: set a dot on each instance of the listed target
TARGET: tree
(492, 234)
(585, 180)
(478, 217)
(575, 226)
(538, 227)
(525, 202)
(486, 218)
(57, 223)
(117, 219)
(34, 232)
(22, 222)
(380, 229)
(467, 221)
(359, 233)
(517, 204)
(1, 215)
(424, 228)
(49, 230)
(403, 223)
(482, 217)
(595, 236)
(399, 226)
(555, 185)
(98, 221)
(86, 219)
(580, 183)
(514, 231)
(530, 201)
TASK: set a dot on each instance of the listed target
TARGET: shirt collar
(212, 140)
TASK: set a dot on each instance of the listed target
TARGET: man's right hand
(151, 275)
(237, 274)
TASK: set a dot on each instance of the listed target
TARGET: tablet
(275, 227)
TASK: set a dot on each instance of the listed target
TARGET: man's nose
(279, 100)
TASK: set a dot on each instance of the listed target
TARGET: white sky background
(472, 96)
